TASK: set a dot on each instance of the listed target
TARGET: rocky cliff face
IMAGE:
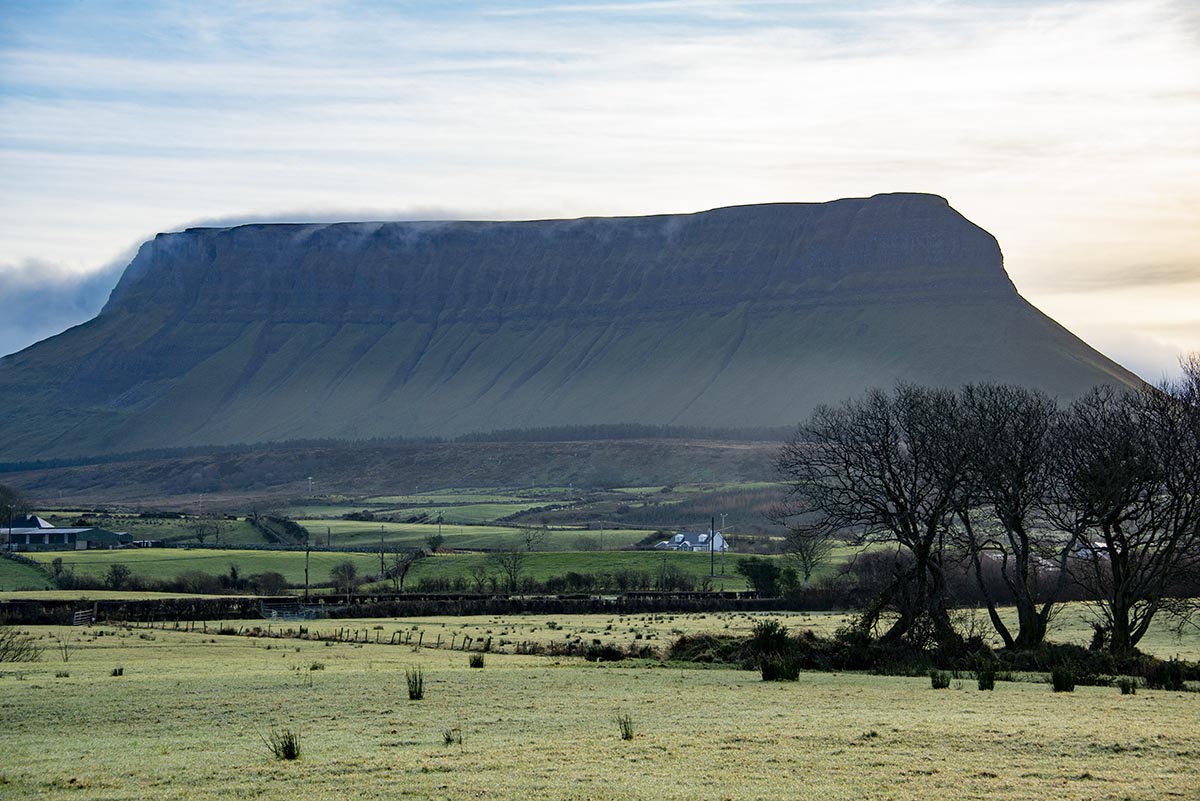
(745, 316)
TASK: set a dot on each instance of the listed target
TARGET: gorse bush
(986, 679)
(415, 679)
(603, 653)
(1062, 678)
(779, 668)
(770, 638)
(1168, 675)
(939, 679)
(475, 660)
(1128, 686)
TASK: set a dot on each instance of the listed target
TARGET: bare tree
(479, 574)
(401, 562)
(510, 562)
(533, 537)
(806, 546)
(202, 529)
(12, 503)
(345, 577)
(885, 468)
(1130, 483)
(1007, 436)
(17, 646)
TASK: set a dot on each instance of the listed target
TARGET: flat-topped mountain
(737, 317)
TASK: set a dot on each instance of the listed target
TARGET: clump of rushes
(416, 684)
(625, 724)
(283, 744)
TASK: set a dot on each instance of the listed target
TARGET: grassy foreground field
(184, 721)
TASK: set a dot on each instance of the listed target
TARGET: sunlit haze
(1070, 131)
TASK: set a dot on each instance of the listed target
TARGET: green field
(471, 517)
(167, 563)
(187, 717)
(17, 576)
(414, 535)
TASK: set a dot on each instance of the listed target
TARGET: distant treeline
(154, 454)
(604, 431)
(583, 433)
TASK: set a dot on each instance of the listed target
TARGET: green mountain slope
(746, 316)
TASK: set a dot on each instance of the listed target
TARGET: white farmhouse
(695, 541)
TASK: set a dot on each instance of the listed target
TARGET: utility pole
(307, 551)
(724, 543)
(712, 546)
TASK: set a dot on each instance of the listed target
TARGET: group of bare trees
(1103, 494)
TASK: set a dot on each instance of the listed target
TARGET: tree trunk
(993, 615)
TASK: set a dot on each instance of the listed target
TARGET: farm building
(694, 541)
(38, 538)
(30, 521)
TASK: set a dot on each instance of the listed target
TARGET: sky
(1069, 130)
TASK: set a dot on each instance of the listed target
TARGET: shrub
(416, 684)
(603, 653)
(475, 660)
(317, 666)
(452, 736)
(1166, 675)
(709, 648)
(118, 671)
(986, 679)
(1062, 678)
(625, 724)
(1128, 686)
(769, 638)
(779, 668)
(283, 744)
(939, 679)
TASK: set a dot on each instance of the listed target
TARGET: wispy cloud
(1148, 275)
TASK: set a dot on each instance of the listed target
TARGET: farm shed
(64, 539)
